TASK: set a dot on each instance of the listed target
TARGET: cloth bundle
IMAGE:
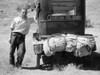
(79, 45)
(84, 46)
(54, 44)
(71, 41)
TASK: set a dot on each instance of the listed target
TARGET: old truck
(58, 17)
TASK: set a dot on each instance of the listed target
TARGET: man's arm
(11, 29)
(10, 35)
(37, 10)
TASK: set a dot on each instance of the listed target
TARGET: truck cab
(61, 16)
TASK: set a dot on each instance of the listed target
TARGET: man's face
(24, 13)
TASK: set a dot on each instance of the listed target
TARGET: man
(19, 28)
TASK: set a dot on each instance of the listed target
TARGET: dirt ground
(30, 58)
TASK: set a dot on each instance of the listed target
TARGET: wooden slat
(65, 4)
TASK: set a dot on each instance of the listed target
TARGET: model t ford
(61, 30)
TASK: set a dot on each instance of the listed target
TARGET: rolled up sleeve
(12, 26)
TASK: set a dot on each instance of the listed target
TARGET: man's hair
(24, 9)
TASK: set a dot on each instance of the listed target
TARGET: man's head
(23, 13)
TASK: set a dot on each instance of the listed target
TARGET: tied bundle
(79, 45)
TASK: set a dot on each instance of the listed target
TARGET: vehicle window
(67, 7)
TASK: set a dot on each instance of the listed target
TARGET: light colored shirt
(20, 25)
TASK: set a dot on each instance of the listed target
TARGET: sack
(79, 45)
(84, 46)
(57, 43)
(54, 44)
(71, 41)
(46, 48)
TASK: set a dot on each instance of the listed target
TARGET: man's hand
(10, 41)
(35, 19)
(10, 36)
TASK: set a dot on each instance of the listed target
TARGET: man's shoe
(18, 66)
(11, 66)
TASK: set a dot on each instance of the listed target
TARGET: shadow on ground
(91, 62)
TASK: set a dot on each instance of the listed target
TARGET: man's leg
(12, 50)
(20, 54)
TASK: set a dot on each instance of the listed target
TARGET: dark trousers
(17, 41)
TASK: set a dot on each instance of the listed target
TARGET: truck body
(59, 16)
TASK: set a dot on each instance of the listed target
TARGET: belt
(19, 33)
